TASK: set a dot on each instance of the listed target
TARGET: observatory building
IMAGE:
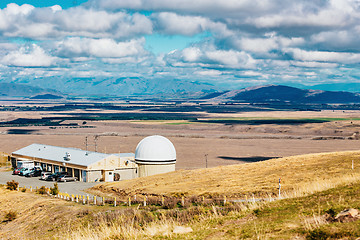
(155, 155)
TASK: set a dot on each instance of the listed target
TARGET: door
(83, 172)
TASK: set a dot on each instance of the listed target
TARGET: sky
(230, 43)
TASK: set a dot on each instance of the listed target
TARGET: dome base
(149, 170)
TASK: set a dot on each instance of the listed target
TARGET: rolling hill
(330, 186)
(280, 93)
(260, 178)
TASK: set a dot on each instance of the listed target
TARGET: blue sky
(231, 43)
(45, 3)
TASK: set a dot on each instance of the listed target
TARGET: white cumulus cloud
(33, 56)
(76, 47)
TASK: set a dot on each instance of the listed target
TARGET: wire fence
(143, 200)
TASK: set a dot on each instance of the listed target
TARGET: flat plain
(222, 138)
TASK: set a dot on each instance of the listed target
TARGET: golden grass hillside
(299, 175)
(37, 217)
(4, 159)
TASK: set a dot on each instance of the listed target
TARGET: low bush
(54, 190)
(10, 216)
(42, 190)
(12, 185)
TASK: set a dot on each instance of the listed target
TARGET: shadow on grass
(247, 159)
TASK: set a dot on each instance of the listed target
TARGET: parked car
(33, 173)
(66, 178)
(37, 169)
(23, 171)
(55, 176)
(45, 175)
(16, 171)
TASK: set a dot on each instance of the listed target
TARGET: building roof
(77, 156)
(155, 150)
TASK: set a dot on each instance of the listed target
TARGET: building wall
(148, 170)
(113, 162)
(126, 173)
(125, 167)
(93, 176)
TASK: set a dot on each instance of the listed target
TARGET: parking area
(67, 187)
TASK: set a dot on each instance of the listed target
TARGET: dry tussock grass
(299, 175)
(37, 216)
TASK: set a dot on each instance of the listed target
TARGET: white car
(45, 175)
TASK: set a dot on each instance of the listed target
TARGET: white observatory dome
(155, 150)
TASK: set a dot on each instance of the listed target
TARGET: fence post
(246, 198)
(162, 201)
(352, 165)
(144, 201)
(114, 201)
(203, 199)
(30, 188)
(183, 201)
(95, 200)
(224, 200)
(72, 197)
(83, 198)
(103, 201)
(77, 199)
(279, 188)
(129, 201)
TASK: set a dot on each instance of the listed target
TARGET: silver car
(66, 178)
(45, 175)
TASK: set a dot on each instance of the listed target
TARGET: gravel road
(68, 187)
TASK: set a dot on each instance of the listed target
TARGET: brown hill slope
(304, 173)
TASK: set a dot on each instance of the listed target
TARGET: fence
(142, 200)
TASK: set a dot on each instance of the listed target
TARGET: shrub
(42, 190)
(54, 190)
(10, 215)
(170, 203)
(23, 190)
(12, 185)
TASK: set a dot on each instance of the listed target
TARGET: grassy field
(307, 217)
(317, 186)
(298, 174)
(4, 159)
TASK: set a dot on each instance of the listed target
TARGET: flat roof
(57, 154)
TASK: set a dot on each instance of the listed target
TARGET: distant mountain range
(23, 90)
(129, 86)
(280, 93)
(44, 88)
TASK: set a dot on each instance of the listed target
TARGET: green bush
(42, 190)
(10, 215)
(54, 190)
(12, 185)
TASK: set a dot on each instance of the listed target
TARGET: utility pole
(95, 141)
(86, 143)
(206, 159)
(96, 137)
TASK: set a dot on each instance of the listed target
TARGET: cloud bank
(275, 41)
